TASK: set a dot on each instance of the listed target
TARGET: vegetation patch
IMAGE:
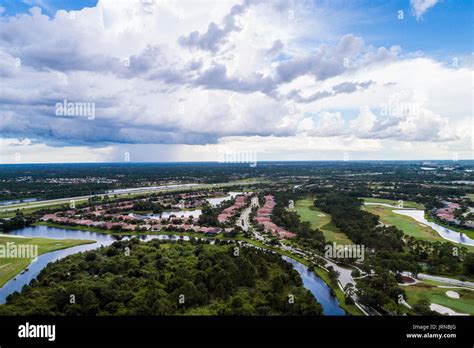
(10, 267)
(408, 225)
(434, 294)
(162, 278)
(320, 220)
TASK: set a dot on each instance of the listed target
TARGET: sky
(230, 81)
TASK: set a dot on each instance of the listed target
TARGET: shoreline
(318, 271)
(72, 242)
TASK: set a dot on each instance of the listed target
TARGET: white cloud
(251, 77)
(419, 7)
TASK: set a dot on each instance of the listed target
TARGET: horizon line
(244, 163)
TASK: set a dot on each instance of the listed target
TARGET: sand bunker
(444, 310)
(452, 294)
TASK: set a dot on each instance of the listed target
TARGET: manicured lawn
(320, 220)
(465, 304)
(10, 267)
(406, 204)
(408, 225)
(405, 223)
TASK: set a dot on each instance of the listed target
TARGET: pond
(446, 233)
(177, 213)
(218, 200)
(19, 201)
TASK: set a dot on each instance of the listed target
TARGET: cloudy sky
(182, 80)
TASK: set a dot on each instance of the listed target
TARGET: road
(444, 280)
(345, 274)
(244, 219)
(78, 199)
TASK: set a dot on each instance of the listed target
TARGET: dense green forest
(360, 226)
(163, 278)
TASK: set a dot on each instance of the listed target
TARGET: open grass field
(465, 304)
(406, 204)
(408, 225)
(471, 196)
(320, 220)
(10, 267)
(405, 223)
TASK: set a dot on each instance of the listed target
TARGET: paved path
(244, 219)
(445, 280)
(345, 274)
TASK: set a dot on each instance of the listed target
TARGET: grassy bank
(10, 267)
(408, 225)
(405, 223)
(469, 233)
(434, 294)
(406, 204)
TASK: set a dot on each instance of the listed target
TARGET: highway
(123, 192)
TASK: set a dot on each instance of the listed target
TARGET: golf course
(438, 295)
(10, 267)
(320, 220)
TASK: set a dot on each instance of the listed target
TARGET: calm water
(419, 215)
(446, 233)
(310, 281)
(216, 201)
(194, 213)
(24, 278)
(318, 288)
(18, 201)
(178, 213)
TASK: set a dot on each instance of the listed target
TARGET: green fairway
(320, 220)
(10, 267)
(409, 226)
(465, 304)
(405, 223)
(406, 204)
